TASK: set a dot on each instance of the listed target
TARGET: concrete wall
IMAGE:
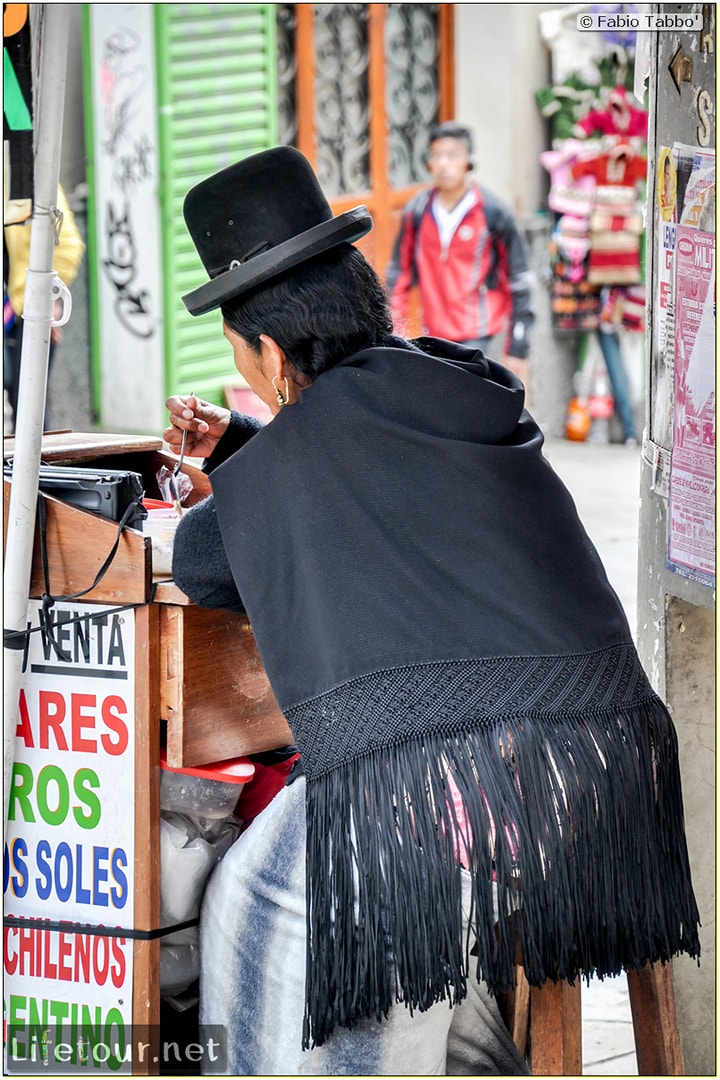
(500, 61)
(676, 616)
(73, 163)
(69, 398)
(676, 642)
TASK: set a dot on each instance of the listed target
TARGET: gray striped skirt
(252, 984)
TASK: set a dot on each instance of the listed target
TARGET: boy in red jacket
(462, 247)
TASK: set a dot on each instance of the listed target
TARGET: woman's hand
(204, 423)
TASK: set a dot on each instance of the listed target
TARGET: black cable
(17, 639)
(100, 931)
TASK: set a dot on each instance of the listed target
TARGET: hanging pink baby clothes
(617, 174)
(571, 237)
(568, 195)
(614, 250)
(620, 167)
(569, 225)
(619, 117)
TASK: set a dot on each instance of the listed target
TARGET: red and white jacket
(477, 287)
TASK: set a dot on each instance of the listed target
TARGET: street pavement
(604, 480)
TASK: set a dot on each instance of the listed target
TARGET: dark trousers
(12, 353)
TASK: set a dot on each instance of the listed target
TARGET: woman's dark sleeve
(240, 429)
(200, 566)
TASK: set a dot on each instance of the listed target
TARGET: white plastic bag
(189, 849)
(179, 967)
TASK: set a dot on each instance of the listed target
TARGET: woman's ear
(278, 370)
(274, 360)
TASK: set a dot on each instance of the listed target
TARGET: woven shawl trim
(576, 816)
(387, 707)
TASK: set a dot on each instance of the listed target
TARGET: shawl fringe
(571, 824)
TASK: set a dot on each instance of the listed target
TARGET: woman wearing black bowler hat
(484, 763)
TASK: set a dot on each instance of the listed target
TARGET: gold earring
(281, 400)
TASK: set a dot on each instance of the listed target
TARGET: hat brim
(345, 228)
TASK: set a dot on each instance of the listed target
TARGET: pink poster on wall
(691, 517)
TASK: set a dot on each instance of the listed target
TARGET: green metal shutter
(217, 102)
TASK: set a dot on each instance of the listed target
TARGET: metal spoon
(176, 470)
(181, 459)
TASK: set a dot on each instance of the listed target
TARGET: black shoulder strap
(418, 211)
(493, 215)
(420, 207)
(48, 600)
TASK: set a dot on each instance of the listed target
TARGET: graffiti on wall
(123, 80)
(128, 327)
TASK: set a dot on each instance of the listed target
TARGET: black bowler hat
(258, 218)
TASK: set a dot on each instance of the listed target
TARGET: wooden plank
(305, 79)
(71, 447)
(378, 246)
(78, 543)
(446, 60)
(214, 692)
(167, 592)
(514, 1008)
(555, 1030)
(521, 1016)
(147, 767)
(146, 954)
(652, 1004)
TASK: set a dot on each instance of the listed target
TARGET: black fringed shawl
(439, 631)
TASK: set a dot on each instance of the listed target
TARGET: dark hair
(320, 312)
(451, 129)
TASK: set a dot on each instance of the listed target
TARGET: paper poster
(69, 854)
(664, 336)
(682, 189)
(691, 513)
(698, 204)
(666, 184)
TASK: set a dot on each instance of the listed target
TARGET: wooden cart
(198, 687)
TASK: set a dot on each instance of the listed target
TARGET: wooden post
(514, 1008)
(146, 954)
(556, 1036)
(652, 1004)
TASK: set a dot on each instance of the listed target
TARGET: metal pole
(42, 289)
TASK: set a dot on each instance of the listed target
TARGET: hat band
(345, 228)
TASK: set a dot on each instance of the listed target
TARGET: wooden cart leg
(515, 1010)
(521, 1018)
(556, 1035)
(652, 1003)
